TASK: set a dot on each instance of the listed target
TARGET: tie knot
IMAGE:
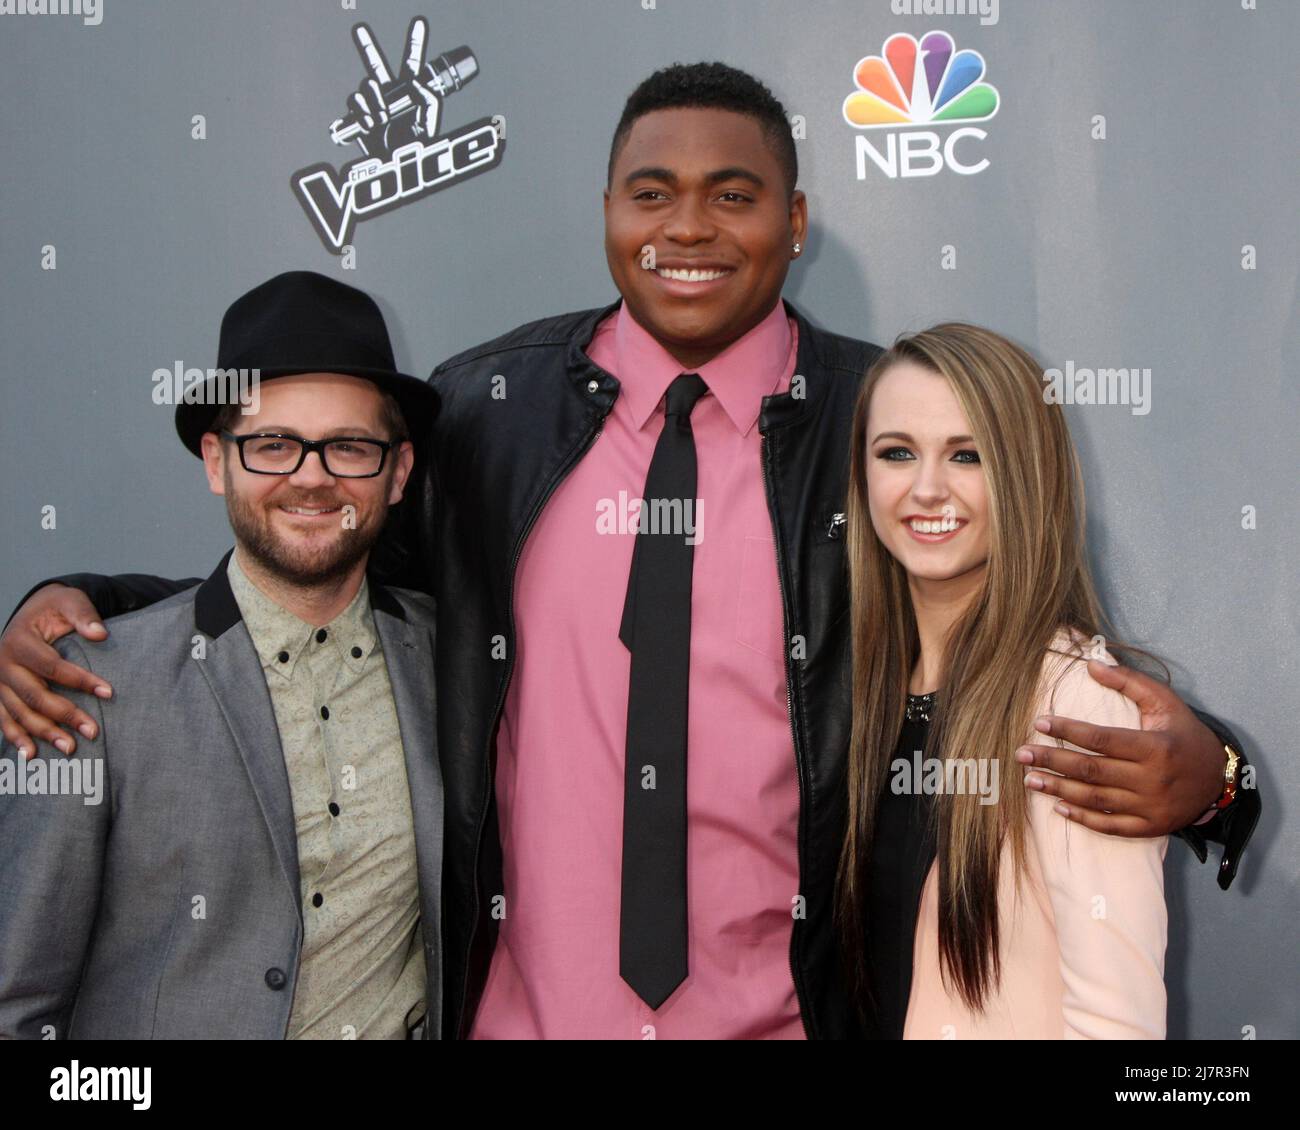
(683, 393)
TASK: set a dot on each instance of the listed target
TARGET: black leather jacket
(501, 447)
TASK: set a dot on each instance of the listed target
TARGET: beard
(327, 555)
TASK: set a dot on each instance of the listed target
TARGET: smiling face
(925, 486)
(704, 190)
(297, 526)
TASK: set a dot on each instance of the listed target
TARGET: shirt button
(275, 979)
(283, 657)
(317, 899)
(334, 809)
(320, 635)
(592, 386)
(325, 712)
(356, 653)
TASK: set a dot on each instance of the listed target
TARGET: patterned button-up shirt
(361, 973)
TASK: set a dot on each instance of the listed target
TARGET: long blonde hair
(1036, 582)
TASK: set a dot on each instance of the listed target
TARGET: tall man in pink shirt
(644, 753)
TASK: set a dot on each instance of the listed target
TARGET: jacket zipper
(463, 1026)
(789, 706)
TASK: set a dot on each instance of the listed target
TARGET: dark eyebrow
(735, 172)
(658, 172)
(651, 172)
(951, 441)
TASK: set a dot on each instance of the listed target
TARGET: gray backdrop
(1128, 250)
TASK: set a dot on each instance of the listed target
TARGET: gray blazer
(99, 936)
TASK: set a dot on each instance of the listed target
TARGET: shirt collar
(740, 376)
(281, 638)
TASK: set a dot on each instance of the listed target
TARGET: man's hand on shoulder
(1146, 782)
(29, 665)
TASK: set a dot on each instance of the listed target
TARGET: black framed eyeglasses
(278, 453)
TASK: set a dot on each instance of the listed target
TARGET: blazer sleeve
(54, 848)
(1106, 893)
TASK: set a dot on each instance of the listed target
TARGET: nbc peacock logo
(919, 83)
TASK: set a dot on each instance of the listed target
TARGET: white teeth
(942, 525)
(304, 510)
(688, 276)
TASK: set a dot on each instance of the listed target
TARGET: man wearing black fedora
(265, 859)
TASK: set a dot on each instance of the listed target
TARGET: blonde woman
(970, 909)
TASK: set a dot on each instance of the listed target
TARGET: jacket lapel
(408, 654)
(234, 674)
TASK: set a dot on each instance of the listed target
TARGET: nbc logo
(919, 84)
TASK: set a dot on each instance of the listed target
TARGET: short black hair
(713, 86)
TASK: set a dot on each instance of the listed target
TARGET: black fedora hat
(302, 322)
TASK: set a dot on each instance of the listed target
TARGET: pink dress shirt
(560, 748)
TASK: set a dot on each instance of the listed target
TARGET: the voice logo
(394, 121)
(913, 83)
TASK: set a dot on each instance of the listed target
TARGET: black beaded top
(919, 707)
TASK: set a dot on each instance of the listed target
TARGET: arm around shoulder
(1107, 896)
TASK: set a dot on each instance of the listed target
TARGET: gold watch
(1229, 778)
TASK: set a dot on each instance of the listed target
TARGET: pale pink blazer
(1083, 947)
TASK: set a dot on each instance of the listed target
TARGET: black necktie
(657, 631)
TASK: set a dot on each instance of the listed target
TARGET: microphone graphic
(444, 75)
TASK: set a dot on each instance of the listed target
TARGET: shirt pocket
(760, 625)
